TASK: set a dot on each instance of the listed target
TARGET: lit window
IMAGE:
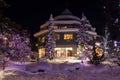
(55, 27)
(57, 36)
(43, 39)
(36, 44)
(68, 36)
(64, 27)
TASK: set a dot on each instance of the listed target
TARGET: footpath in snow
(57, 70)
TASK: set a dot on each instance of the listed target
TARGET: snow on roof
(40, 33)
(66, 12)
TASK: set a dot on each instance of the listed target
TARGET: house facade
(66, 28)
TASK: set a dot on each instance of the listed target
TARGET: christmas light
(50, 43)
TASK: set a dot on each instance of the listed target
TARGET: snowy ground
(59, 70)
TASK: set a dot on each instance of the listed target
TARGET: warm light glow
(36, 44)
(41, 52)
(99, 51)
(43, 39)
(68, 36)
(57, 36)
(63, 52)
(5, 38)
(2, 74)
(55, 27)
(64, 27)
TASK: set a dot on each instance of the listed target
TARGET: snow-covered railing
(67, 30)
(60, 22)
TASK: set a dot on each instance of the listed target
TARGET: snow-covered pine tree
(50, 42)
(83, 38)
(14, 42)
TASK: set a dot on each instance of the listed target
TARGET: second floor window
(68, 36)
(43, 39)
(64, 27)
(57, 36)
(55, 27)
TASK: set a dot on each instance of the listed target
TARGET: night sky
(33, 13)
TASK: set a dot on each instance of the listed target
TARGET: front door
(64, 52)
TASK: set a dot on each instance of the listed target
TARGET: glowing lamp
(5, 38)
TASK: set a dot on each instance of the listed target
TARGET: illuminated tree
(50, 43)
(14, 42)
(83, 38)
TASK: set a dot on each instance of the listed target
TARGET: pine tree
(84, 38)
(14, 42)
(50, 43)
(86, 42)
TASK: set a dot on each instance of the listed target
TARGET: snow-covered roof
(66, 18)
(56, 30)
(66, 12)
(40, 33)
(66, 15)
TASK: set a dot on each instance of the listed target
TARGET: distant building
(66, 28)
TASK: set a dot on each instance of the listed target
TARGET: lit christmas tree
(84, 38)
(14, 42)
(50, 43)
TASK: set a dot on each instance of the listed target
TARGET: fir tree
(14, 41)
(50, 43)
(84, 38)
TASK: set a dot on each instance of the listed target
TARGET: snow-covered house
(66, 28)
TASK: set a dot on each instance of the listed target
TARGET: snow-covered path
(60, 71)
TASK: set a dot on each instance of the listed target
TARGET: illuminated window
(57, 36)
(41, 52)
(64, 27)
(43, 39)
(68, 36)
(55, 27)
